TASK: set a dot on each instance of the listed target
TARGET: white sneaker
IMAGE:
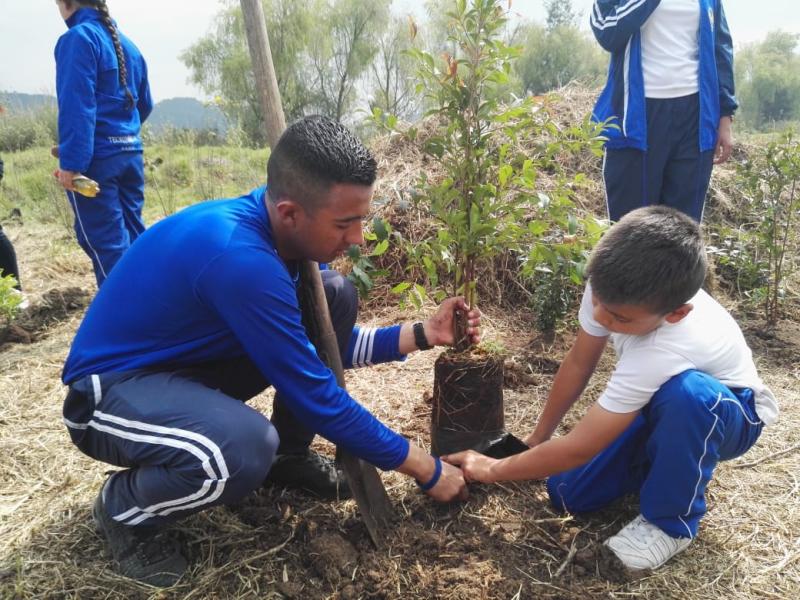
(642, 545)
(24, 302)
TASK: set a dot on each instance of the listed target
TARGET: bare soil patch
(49, 309)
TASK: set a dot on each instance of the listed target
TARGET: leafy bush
(364, 273)
(10, 299)
(771, 180)
(23, 130)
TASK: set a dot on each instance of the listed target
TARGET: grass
(175, 176)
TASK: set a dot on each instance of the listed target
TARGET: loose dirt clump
(781, 342)
(54, 306)
(332, 557)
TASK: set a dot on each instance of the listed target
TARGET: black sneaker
(145, 554)
(310, 472)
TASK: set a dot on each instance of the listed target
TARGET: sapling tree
(492, 149)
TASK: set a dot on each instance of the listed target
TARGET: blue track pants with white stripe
(185, 438)
(668, 454)
(108, 224)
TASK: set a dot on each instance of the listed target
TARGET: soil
(781, 342)
(438, 551)
(53, 307)
(467, 401)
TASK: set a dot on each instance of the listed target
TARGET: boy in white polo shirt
(684, 395)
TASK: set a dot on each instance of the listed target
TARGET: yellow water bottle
(85, 186)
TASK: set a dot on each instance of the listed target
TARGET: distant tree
(434, 34)
(219, 62)
(344, 41)
(552, 57)
(560, 14)
(768, 80)
(393, 72)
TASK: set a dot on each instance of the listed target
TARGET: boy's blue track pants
(672, 171)
(185, 438)
(668, 454)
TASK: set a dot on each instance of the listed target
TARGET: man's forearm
(418, 464)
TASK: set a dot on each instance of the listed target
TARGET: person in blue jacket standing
(668, 102)
(103, 98)
(199, 316)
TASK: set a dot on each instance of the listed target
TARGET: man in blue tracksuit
(103, 98)
(199, 316)
(669, 100)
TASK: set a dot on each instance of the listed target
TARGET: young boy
(684, 395)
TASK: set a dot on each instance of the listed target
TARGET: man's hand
(451, 485)
(724, 141)
(439, 328)
(65, 178)
(422, 466)
(475, 466)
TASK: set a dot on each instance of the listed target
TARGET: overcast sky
(164, 28)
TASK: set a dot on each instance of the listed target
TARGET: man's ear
(679, 313)
(288, 211)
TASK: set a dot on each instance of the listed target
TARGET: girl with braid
(103, 98)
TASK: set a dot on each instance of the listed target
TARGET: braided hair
(102, 8)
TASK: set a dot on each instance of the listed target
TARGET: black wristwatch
(419, 337)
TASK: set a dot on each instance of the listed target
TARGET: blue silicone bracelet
(437, 472)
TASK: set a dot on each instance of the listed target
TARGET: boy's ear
(679, 313)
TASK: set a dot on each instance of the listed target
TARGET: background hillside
(176, 113)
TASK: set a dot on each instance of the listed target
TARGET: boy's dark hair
(653, 257)
(314, 153)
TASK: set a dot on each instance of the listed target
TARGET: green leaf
(401, 287)
(504, 173)
(381, 228)
(380, 248)
(573, 224)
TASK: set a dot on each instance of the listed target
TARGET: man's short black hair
(314, 153)
(653, 257)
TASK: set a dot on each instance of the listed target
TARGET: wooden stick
(767, 457)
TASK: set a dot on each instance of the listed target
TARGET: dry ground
(504, 542)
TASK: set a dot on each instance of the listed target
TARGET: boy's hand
(724, 141)
(439, 328)
(475, 466)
